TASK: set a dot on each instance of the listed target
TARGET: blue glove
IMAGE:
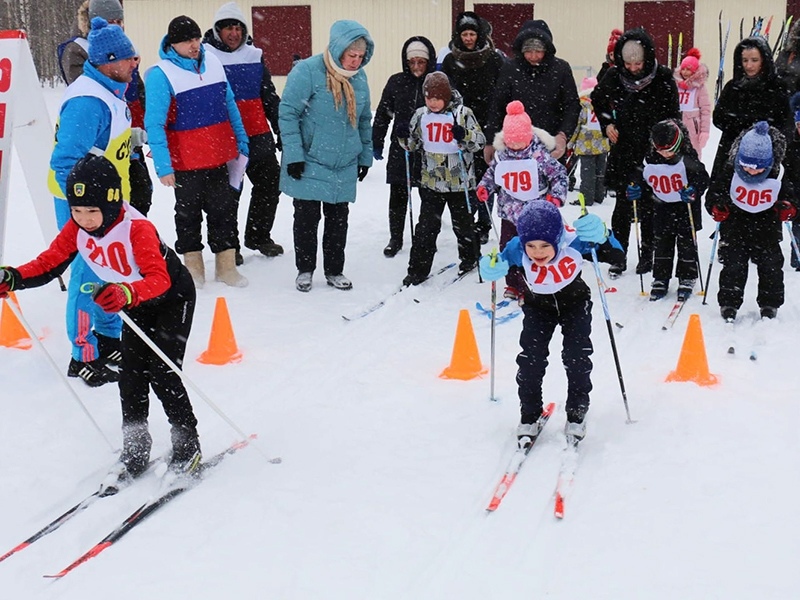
(688, 194)
(591, 229)
(377, 153)
(634, 192)
(493, 273)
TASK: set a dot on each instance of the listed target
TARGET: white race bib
(111, 256)
(437, 133)
(755, 197)
(687, 99)
(667, 181)
(591, 121)
(555, 275)
(520, 178)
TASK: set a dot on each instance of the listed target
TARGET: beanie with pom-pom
(755, 152)
(108, 43)
(517, 129)
(692, 60)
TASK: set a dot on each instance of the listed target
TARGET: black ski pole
(611, 334)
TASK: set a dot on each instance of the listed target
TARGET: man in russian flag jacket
(255, 94)
(194, 130)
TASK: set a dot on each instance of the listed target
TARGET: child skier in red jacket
(147, 281)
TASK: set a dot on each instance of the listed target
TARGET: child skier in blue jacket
(551, 257)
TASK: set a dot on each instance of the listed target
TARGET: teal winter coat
(315, 132)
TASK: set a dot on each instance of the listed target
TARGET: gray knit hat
(110, 10)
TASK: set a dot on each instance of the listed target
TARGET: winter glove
(401, 130)
(591, 229)
(8, 280)
(459, 133)
(719, 213)
(138, 137)
(493, 272)
(688, 194)
(786, 210)
(633, 192)
(244, 148)
(554, 201)
(113, 297)
(377, 153)
(561, 145)
(295, 170)
(482, 193)
(362, 172)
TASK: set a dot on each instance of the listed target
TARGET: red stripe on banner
(2, 120)
(13, 34)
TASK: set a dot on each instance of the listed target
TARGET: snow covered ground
(387, 468)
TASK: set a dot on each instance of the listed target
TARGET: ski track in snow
(387, 468)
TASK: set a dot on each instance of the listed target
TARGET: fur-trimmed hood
(82, 25)
(697, 80)
(548, 140)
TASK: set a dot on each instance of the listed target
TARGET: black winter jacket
(547, 90)
(473, 72)
(744, 101)
(633, 112)
(695, 173)
(762, 228)
(400, 99)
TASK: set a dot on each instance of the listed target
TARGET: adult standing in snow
(473, 66)
(195, 129)
(542, 82)
(401, 96)
(325, 119)
(258, 101)
(787, 64)
(93, 114)
(72, 54)
(755, 93)
(635, 94)
(691, 76)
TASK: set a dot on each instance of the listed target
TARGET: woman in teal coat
(325, 127)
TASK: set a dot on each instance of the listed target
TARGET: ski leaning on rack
(515, 464)
(60, 520)
(371, 309)
(148, 508)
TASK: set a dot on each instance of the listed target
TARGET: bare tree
(47, 23)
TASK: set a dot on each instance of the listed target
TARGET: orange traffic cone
(693, 364)
(12, 333)
(465, 362)
(221, 343)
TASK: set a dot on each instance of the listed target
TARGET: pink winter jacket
(695, 105)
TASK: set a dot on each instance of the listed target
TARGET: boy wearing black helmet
(146, 280)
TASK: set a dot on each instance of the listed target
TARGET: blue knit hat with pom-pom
(755, 152)
(540, 220)
(108, 43)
